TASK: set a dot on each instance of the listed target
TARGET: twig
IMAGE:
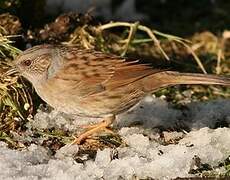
(133, 29)
(139, 27)
(219, 57)
(153, 38)
(195, 57)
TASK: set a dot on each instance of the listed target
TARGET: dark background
(179, 17)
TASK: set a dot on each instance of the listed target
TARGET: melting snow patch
(143, 156)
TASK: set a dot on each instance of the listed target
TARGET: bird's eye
(27, 62)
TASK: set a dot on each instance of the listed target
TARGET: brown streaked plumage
(91, 83)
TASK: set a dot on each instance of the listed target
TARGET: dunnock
(94, 84)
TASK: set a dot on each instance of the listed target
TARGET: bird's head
(33, 63)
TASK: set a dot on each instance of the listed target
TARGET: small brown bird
(94, 84)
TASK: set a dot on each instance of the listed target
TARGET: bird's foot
(96, 128)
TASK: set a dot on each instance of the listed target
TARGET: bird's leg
(92, 129)
(92, 126)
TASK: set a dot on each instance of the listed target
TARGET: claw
(96, 128)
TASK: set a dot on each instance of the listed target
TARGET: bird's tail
(169, 78)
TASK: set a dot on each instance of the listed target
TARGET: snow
(146, 153)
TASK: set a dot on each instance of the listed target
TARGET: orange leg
(92, 129)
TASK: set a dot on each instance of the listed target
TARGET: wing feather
(90, 72)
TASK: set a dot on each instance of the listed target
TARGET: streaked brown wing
(90, 72)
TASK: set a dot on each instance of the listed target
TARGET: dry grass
(15, 99)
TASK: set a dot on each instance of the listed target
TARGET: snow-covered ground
(182, 154)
